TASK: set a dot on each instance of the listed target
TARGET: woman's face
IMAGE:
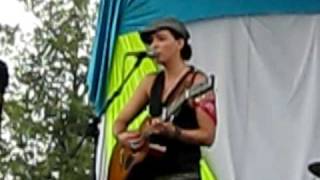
(165, 46)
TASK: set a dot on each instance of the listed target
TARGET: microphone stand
(119, 90)
(4, 81)
(1, 106)
(92, 128)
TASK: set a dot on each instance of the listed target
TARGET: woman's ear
(181, 43)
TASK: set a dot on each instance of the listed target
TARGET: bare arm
(205, 134)
(206, 118)
(135, 104)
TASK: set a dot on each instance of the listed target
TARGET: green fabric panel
(121, 65)
(206, 172)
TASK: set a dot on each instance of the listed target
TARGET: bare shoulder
(149, 78)
(200, 77)
(147, 82)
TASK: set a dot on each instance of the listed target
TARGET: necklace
(170, 86)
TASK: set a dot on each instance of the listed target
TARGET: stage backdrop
(268, 72)
(265, 58)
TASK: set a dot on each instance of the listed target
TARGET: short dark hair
(186, 51)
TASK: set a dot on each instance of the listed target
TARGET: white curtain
(101, 165)
(267, 83)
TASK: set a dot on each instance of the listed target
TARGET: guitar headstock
(189, 93)
(200, 88)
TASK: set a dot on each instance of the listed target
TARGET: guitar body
(123, 160)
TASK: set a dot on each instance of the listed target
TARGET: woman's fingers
(131, 139)
(163, 128)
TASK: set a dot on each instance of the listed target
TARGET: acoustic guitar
(123, 158)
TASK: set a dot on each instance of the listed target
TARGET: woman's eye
(161, 38)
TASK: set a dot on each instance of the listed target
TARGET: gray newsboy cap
(170, 23)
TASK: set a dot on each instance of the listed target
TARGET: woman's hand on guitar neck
(132, 140)
(160, 127)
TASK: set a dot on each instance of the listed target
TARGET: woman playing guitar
(179, 138)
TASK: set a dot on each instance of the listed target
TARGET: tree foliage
(46, 108)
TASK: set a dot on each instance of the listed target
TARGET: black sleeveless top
(180, 156)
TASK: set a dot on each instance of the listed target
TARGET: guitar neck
(169, 112)
(173, 107)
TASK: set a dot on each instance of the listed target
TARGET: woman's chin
(160, 61)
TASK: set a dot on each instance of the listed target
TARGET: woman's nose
(154, 44)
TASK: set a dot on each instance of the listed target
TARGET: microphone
(142, 54)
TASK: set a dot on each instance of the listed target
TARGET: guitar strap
(184, 82)
(155, 99)
(156, 103)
